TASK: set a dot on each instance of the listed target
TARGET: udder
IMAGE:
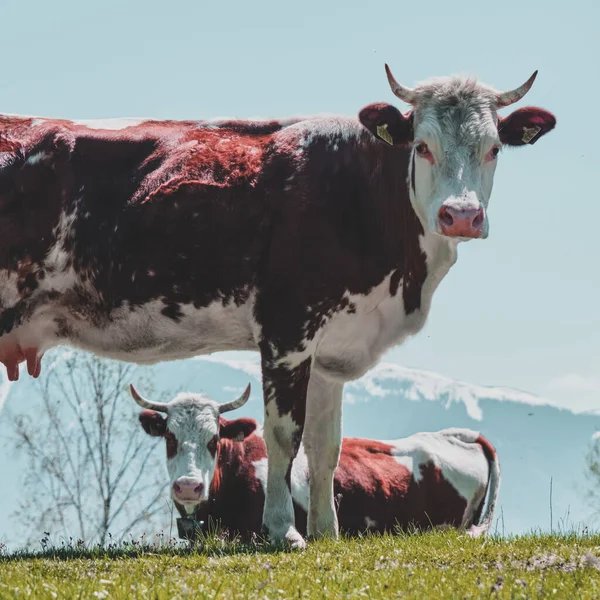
(28, 343)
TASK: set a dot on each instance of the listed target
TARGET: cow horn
(402, 92)
(235, 403)
(158, 406)
(508, 98)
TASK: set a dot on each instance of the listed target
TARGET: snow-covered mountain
(536, 440)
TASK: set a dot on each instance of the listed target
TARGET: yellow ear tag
(529, 133)
(384, 134)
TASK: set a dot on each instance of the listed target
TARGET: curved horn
(235, 403)
(402, 92)
(158, 406)
(508, 98)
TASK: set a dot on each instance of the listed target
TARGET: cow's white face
(455, 135)
(452, 164)
(194, 423)
(192, 429)
(191, 432)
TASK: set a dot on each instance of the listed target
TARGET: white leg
(278, 514)
(322, 442)
(285, 404)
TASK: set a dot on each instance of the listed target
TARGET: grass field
(433, 565)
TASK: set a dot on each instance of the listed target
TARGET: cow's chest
(354, 340)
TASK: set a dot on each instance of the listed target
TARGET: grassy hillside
(436, 565)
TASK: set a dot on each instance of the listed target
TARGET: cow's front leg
(322, 443)
(285, 384)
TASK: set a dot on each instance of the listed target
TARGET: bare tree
(92, 472)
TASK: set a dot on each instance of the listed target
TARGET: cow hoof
(326, 528)
(291, 539)
(294, 540)
(477, 531)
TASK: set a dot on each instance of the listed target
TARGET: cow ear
(236, 430)
(153, 423)
(525, 126)
(387, 123)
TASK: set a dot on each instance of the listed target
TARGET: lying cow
(218, 470)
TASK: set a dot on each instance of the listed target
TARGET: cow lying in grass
(218, 470)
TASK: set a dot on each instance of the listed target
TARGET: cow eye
(422, 149)
(493, 153)
(212, 444)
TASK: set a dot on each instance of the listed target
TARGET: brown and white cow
(218, 472)
(317, 241)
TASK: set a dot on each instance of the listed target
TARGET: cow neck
(225, 468)
(228, 463)
(401, 228)
(421, 260)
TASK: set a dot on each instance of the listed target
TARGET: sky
(519, 309)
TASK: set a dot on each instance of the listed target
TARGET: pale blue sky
(519, 309)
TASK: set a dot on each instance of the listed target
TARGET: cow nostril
(198, 489)
(478, 220)
(177, 488)
(446, 218)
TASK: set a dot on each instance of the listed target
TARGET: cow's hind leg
(322, 443)
(285, 385)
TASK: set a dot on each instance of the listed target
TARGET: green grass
(436, 565)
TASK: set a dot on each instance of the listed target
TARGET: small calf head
(192, 429)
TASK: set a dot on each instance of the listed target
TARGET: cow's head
(192, 429)
(456, 136)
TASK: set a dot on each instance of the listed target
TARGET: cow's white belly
(144, 335)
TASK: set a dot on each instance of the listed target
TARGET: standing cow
(218, 471)
(317, 241)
